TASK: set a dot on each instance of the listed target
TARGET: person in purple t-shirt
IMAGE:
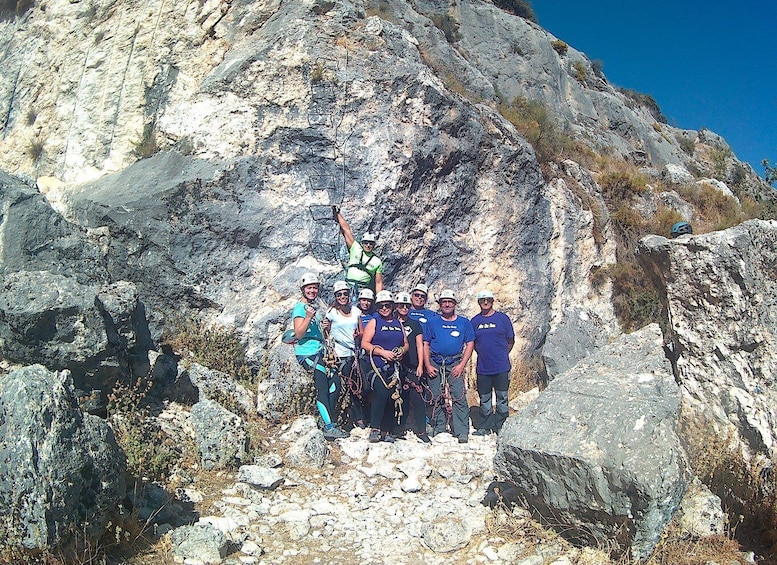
(494, 339)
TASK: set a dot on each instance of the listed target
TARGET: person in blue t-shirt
(417, 311)
(309, 349)
(448, 345)
(494, 339)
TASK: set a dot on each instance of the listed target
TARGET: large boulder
(719, 291)
(221, 436)
(597, 454)
(577, 335)
(286, 388)
(97, 332)
(60, 469)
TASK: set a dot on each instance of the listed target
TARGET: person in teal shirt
(309, 349)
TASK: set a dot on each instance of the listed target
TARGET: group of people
(402, 364)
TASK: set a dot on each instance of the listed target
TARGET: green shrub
(634, 297)
(217, 348)
(533, 120)
(149, 451)
(720, 157)
(147, 145)
(686, 144)
(560, 47)
(645, 100)
(519, 8)
(620, 186)
(579, 71)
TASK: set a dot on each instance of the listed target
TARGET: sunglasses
(383, 305)
(419, 295)
(342, 293)
(404, 305)
(368, 243)
(485, 299)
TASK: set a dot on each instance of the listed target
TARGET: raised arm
(345, 229)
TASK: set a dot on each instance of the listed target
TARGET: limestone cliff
(261, 114)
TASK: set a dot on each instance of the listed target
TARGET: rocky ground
(402, 502)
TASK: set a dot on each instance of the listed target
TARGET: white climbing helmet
(309, 278)
(339, 285)
(447, 294)
(403, 298)
(384, 296)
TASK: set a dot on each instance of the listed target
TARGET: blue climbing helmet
(681, 228)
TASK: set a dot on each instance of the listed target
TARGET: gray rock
(308, 450)
(701, 513)
(98, 333)
(220, 435)
(720, 292)
(261, 477)
(60, 470)
(597, 454)
(286, 388)
(199, 382)
(578, 334)
(677, 174)
(447, 535)
(201, 542)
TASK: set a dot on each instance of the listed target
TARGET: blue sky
(707, 63)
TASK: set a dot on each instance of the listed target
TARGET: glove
(335, 212)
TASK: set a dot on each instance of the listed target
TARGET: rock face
(597, 453)
(578, 334)
(720, 292)
(98, 333)
(58, 468)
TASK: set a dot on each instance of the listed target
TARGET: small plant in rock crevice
(559, 46)
(215, 347)
(35, 150)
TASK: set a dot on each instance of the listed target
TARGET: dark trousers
(457, 396)
(492, 415)
(383, 406)
(413, 405)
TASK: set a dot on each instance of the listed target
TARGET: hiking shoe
(360, 424)
(424, 438)
(388, 438)
(335, 433)
(374, 436)
(463, 439)
(482, 432)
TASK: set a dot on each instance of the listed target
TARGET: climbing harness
(394, 382)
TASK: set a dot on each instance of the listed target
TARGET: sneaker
(482, 432)
(335, 433)
(388, 438)
(463, 439)
(360, 424)
(374, 436)
(424, 438)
